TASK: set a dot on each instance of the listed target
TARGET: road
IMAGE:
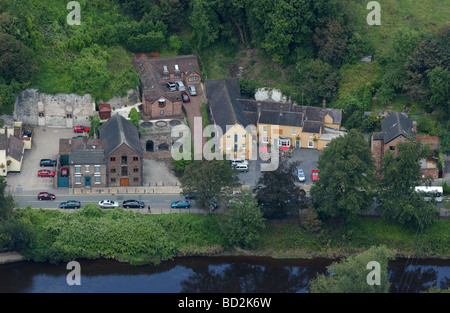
(156, 201)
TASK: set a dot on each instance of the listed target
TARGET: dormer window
(162, 102)
(177, 69)
(165, 69)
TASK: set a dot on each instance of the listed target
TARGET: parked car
(71, 204)
(133, 204)
(314, 175)
(180, 85)
(180, 204)
(242, 168)
(81, 129)
(185, 97)
(46, 173)
(238, 162)
(46, 196)
(108, 204)
(172, 86)
(47, 162)
(64, 172)
(192, 90)
(301, 175)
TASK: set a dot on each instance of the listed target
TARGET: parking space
(45, 145)
(307, 158)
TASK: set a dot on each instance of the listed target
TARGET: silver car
(180, 85)
(108, 204)
(192, 90)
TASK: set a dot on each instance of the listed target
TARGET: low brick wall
(129, 190)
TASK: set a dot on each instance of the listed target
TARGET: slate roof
(312, 127)
(222, 95)
(396, 124)
(117, 131)
(15, 148)
(87, 157)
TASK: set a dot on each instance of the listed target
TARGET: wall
(124, 150)
(286, 131)
(247, 140)
(55, 109)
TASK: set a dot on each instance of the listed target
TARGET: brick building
(123, 152)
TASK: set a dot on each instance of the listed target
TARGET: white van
(242, 168)
(180, 85)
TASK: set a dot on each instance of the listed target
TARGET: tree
(331, 41)
(134, 117)
(277, 192)
(210, 180)
(6, 202)
(352, 274)
(346, 176)
(309, 220)
(242, 222)
(439, 79)
(95, 126)
(175, 43)
(397, 198)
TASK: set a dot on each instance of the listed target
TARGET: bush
(146, 43)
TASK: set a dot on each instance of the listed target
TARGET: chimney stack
(281, 110)
(259, 107)
(324, 103)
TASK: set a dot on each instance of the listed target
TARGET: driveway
(307, 158)
(193, 109)
(45, 145)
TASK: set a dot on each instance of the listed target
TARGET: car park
(46, 196)
(71, 204)
(180, 204)
(180, 85)
(192, 90)
(64, 172)
(81, 129)
(185, 97)
(135, 204)
(301, 175)
(47, 162)
(46, 173)
(172, 86)
(108, 204)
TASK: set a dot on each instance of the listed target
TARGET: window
(293, 132)
(265, 139)
(235, 137)
(113, 159)
(97, 169)
(136, 179)
(124, 171)
(228, 147)
(113, 180)
(310, 144)
(244, 135)
(124, 159)
(228, 136)
(244, 146)
(113, 170)
(97, 179)
(41, 114)
(135, 159)
(69, 115)
(166, 77)
(77, 180)
(265, 129)
(176, 76)
(391, 148)
(135, 170)
(310, 135)
(86, 168)
(161, 112)
(193, 78)
(77, 169)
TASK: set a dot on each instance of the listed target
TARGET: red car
(46, 196)
(46, 173)
(314, 175)
(64, 172)
(185, 97)
(81, 129)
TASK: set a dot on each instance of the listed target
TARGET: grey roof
(117, 131)
(312, 127)
(15, 149)
(87, 157)
(222, 95)
(285, 118)
(396, 124)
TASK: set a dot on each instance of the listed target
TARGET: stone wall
(60, 110)
(130, 99)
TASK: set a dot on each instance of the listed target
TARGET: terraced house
(276, 124)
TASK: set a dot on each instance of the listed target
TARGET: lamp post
(72, 169)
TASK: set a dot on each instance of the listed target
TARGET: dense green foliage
(346, 179)
(351, 274)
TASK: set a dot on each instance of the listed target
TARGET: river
(206, 275)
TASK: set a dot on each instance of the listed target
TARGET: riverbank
(10, 257)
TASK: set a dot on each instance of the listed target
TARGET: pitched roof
(117, 131)
(396, 124)
(104, 107)
(15, 148)
(312, 127)
(222, 95)
(87, 157)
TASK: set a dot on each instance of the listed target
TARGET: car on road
(171, 86)
(192, 195)
(192, 90)
(185, 97)
(46, 173)
(47, 162)
(180, 204)
(46, 196)
(314, 175)
(64, 172)
(180, 85)
(301, 175)
(71, 204)
(236, 162)
(135, 204)
(81, 129)
(108, 204)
